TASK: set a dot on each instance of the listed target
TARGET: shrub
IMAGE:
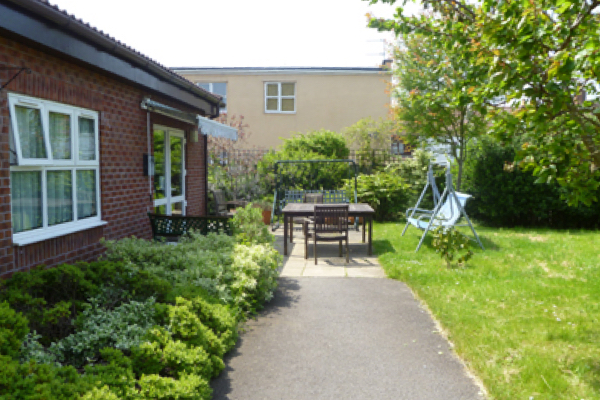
(507, 196)
(387, 193)
(31, 381)
(241, 275)
(249, 227)
(448, 241)
(315, 145)
(13, 329)
(52, 298)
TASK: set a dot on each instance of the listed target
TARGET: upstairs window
(280, 97)
(219, 88)
(55, 169)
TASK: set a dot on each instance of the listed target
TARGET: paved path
(342, 338)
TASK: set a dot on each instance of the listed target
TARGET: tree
(435, 95)
(542, 56)
(369, 134)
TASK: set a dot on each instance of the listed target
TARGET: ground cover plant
(524, 314)
(150, 321)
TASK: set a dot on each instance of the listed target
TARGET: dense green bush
(315, 145)
(414, 171)
(51, 298)
(387, 193)
(152, 321)
(13, 328)
(504, 195)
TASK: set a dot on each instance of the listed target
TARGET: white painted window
(280, 97)
(55, 169)
(219, 88)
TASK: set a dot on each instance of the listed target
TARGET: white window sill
(280, 112)
(39, 235)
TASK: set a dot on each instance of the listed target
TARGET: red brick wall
(125, 192)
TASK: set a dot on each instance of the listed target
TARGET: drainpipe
(205, 174)
(149, 153)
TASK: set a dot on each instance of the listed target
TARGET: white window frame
(222, 110)
(49, 164)
(279, 97)
(169, 200)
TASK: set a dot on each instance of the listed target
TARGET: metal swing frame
(449, 195)
(281, 198)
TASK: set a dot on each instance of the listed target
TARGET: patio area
(330, 264)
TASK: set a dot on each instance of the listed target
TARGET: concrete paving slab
(348, 339)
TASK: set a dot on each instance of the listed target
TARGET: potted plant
(267, 207)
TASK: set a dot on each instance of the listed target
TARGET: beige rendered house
(277, 102)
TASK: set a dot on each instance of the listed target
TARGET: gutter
(45, 10)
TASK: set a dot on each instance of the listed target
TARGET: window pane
(60, 136)
(160, 210)
(272, 104)
(287, 89)
(205, 86)
(26, 199)
(60, 197)
(11, 144)
(220, 88)
(176, 166)
(86, 194)
(87, 139)
(287, 104)
(159, 164)
(31, 135)
(272, 89)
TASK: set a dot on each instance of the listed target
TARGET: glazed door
(169, 171)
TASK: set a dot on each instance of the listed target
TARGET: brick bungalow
(93, 136)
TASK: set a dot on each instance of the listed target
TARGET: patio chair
(330, 224)
(314, 198)
(221, 205)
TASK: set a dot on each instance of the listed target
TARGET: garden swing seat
(447, 210)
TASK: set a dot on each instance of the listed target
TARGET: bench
(172, 227)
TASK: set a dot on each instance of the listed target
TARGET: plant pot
(266, 214)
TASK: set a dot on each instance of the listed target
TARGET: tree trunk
(460, 172)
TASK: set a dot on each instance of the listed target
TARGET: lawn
(524, 314)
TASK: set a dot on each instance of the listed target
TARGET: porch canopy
(216, 129)
(205, 125)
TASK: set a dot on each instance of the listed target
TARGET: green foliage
(414, 170)
(51, 298)
(241, 275)
(13, 329)
(434, 92)
(387, 193)
(447, 242)
(249, 227)
(368, 134)
(504, 195)
(541, 56)
(122, 328)
(315, 145)
(31, 381)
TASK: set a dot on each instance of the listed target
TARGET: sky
(242, 33)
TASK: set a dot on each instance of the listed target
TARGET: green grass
(524, 314)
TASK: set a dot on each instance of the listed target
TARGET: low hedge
(150, 321)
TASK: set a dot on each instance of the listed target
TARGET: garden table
(293, 210)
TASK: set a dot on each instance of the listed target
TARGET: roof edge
(281, 70)
(45, 10)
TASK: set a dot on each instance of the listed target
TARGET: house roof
(280, 70)
(37, 21)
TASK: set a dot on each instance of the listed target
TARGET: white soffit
(216, 129)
